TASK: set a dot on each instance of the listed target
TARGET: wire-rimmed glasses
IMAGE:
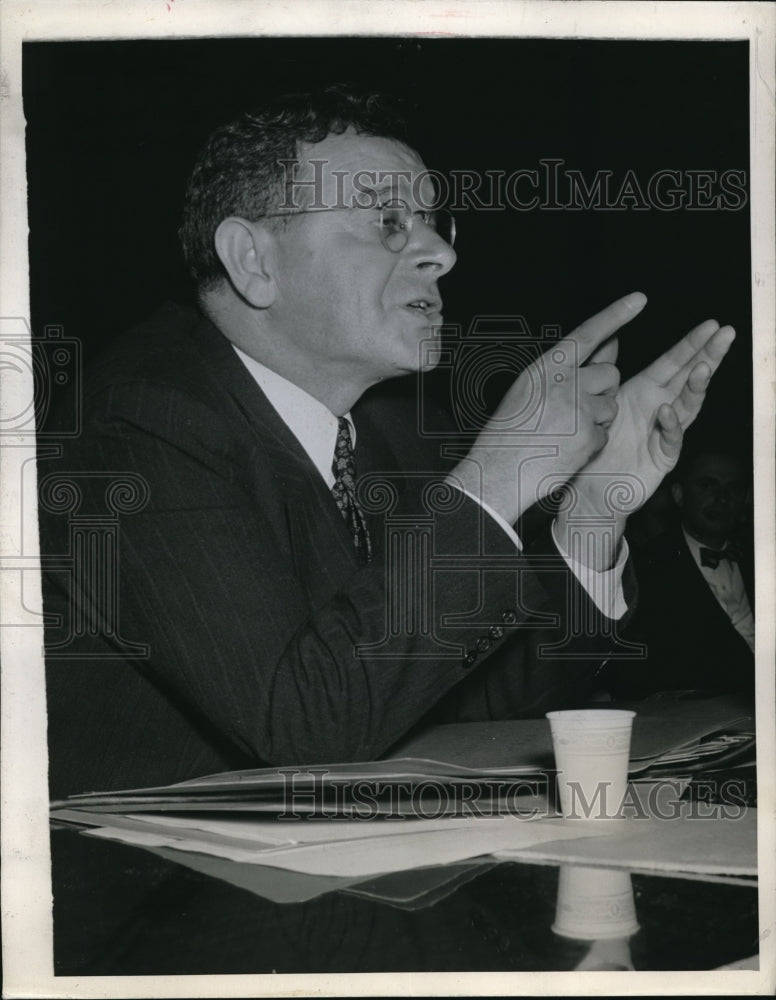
(395, 222)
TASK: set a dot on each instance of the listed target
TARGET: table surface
(122, 910)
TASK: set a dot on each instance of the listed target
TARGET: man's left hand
(655, 407)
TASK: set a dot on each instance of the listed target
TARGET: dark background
(112, 128)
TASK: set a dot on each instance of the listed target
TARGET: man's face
(712, 498)
(356, 309)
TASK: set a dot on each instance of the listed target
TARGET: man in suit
(696, 588)
(225, 588)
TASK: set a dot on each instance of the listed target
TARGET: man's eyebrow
(392, 186)
(407, 197)
(382, 193)
(381, 188)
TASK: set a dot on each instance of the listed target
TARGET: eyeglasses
(395, 222)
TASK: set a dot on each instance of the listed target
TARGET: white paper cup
(594, 904)
(592, 748)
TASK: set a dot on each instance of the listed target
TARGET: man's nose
(429, 249)
(721, 494)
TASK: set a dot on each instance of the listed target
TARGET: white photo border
(26, 900)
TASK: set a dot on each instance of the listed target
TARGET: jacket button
(470, 659)
(495, 631)
(483, 644)
(509, 617)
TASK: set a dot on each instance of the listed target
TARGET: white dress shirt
(315, 428)
(727, 585)
(313, 425)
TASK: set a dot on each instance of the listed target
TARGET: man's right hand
(551, 421)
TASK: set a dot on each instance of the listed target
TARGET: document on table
(484, 784)
(704, 845)
(356, 789)
(331, 848)
(669, 733)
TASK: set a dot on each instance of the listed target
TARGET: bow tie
(711, 557)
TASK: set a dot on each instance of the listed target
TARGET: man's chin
(717, 526)
(429, 355)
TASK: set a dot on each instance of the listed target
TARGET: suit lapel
(232, 376)
(321, 547)
(709, 606)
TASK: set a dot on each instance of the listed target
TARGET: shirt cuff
(496, 517)
(603, 587)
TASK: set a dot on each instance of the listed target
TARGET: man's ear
(677, 493)
(246, 251)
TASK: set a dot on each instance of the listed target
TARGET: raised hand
(655, 407)
(644, 440)
(551, 421)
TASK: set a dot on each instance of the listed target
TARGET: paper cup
(594, 904)
(592, 748)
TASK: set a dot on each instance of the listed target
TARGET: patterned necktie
(344, 491)
(711, 557)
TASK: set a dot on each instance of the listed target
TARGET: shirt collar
(695, 546)
(312, 424)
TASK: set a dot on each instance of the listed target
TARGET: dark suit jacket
(206, 608)
(690, 641)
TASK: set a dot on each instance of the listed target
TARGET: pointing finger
(600, 378)
(606, 353)
(594, 331)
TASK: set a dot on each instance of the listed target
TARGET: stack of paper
(458, 792)
(386, 789)
(672, 734)
(692, 838)
(322, 847)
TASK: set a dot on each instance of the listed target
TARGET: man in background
(696, 586)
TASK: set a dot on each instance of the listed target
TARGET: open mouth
(428, 307)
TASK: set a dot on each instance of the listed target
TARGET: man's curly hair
(240, 171)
